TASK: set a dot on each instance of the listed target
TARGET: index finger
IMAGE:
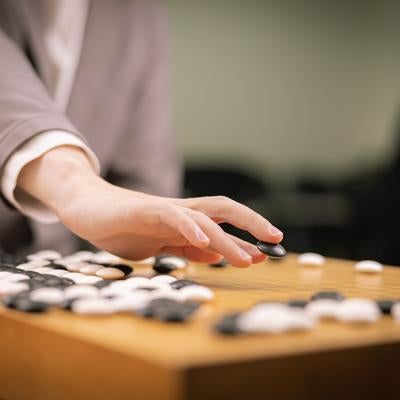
(223, 209)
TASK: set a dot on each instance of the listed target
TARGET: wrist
(56, 177)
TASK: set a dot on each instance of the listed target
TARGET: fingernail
(275, 231)
(244, 254)
(201, 235)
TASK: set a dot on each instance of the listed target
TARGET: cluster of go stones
(303, 315)
(98, 284)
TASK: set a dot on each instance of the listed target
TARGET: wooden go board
(59, 355)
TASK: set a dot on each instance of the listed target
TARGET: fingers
(175, 218)
(223, 209)
(220, 242)
(194, 254)
(252, 250)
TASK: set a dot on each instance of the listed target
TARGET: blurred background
(293, 108)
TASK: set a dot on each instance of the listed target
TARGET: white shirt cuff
(29, 151)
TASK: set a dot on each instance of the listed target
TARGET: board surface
(59, 355)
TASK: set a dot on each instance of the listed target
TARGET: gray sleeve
(26, 107)
(147, 159)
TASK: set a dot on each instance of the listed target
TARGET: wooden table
(58, 355)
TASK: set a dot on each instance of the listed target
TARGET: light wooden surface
(59, 355)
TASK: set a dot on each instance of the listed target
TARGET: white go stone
(93, 306)
(81, 291)
(26, 267)
(74, 276)
(131, 302)
(135, 283)
(358, 311)
(44, 255)
(47, 295)
(90, 269)
(65, 261)
(155, 285)
(270, 318)
(166, 279)
(103, 257)
(171, 294)
(114, 291)
(395, 311)
(39, 263)
(88, 280)
(300, 320)
(122, 284)
(58, 272)
(368, 266)
(16, 277)
(31, 265)
(110, 273)
(82, 255)
(4, 274)
(42, 270)
(197, 293)
(311, 259)
(75, 266)
(178, 262)
(322, 308)
(11, 288)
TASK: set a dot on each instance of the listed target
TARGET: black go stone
(27, 305)
(271, 249)
(220, 264)
(65, 282)
(22, 302)
(52, 280)
(227, 324)
(297, 303)
(10, 301)
(39, 278)
(126, 269)
(168, 310)
(67, 304)
(31, 274)
(164, 268)
(385, 305)
(33, 284)
(330, 295)
(57, 266)
(180, 283)
(104, 283)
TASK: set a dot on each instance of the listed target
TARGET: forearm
(63, 175)
(57, 176)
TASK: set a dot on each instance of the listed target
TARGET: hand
(135, 225)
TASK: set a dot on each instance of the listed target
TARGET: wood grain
(83, 357)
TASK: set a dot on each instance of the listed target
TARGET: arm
(29, 151)
(136, 225)
(26, 107)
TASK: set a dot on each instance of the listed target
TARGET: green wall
(286, 86)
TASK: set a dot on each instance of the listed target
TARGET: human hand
(135, 225)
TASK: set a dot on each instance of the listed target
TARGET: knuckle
(223, 199)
